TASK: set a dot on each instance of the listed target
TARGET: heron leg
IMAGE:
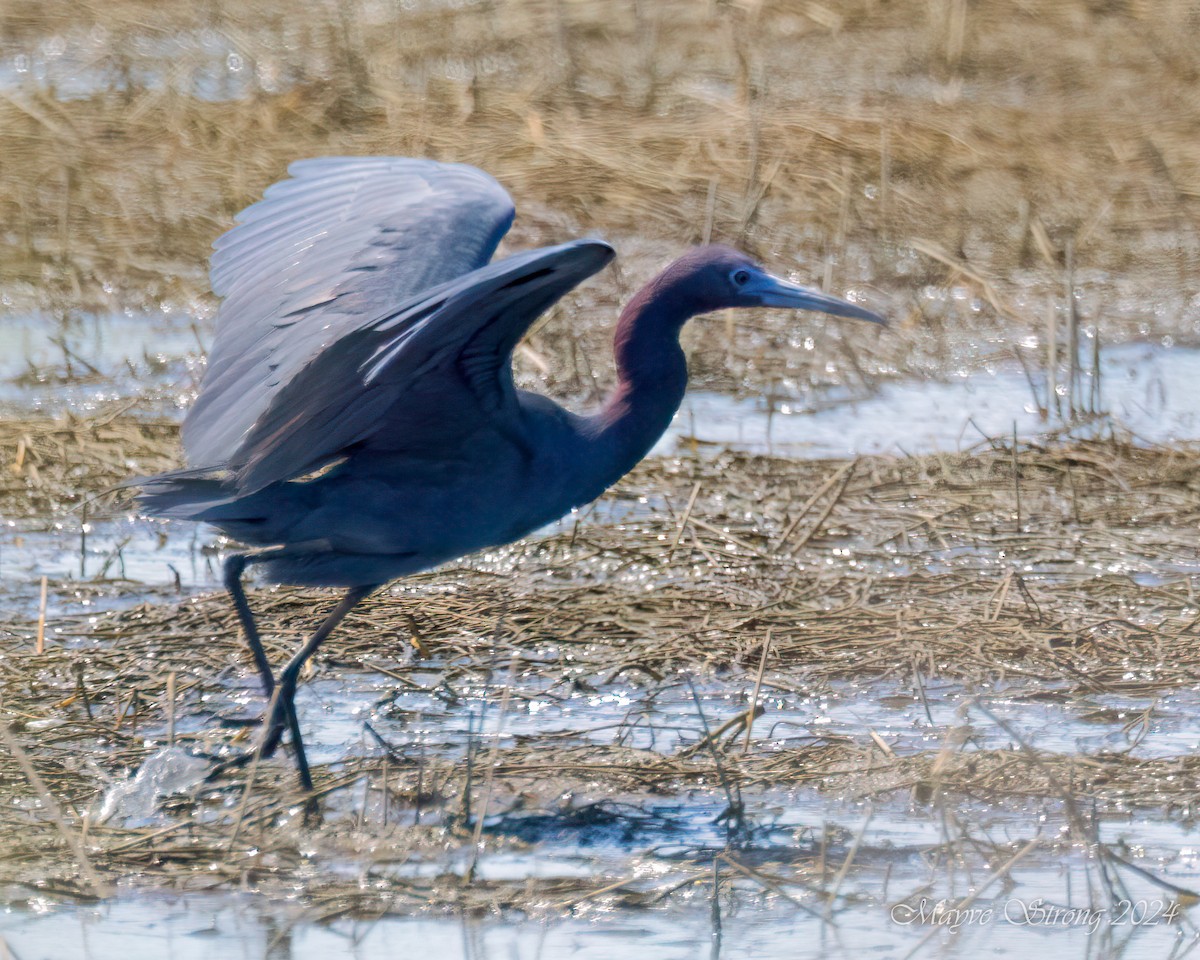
(285, 708)
(235, 565)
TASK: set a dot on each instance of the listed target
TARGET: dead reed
(909, 575)
(971, 168)
(983, 150)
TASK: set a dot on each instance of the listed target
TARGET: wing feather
(422, 380)
(341, 244)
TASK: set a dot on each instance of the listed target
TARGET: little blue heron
(358, 419)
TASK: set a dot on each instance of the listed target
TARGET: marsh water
(154, 361)
(982, 694)
(1147, 393)
(893, 841)
(877, 913)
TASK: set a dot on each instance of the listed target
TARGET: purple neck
(651, 378)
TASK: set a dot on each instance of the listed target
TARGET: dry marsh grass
(859, 138)
(905, 149)
(979, 572)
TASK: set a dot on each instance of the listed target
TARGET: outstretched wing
(341, 244)
(422, 379)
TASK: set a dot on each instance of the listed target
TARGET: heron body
(358, 420)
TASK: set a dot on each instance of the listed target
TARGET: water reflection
(729, 926)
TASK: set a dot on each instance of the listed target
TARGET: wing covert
(419, 380)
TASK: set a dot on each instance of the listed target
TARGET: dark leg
(235, 564)
(285, 710)
(301, 758)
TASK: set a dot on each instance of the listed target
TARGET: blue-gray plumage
(358, 420)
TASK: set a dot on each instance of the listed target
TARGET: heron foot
(236, 761)
(282, 717)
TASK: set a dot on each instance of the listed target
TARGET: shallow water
(1147, 387)
(661, 840)
(86, 363)
(78, 63)
(93, 572)
(880, 913)
(664, 717)
(226, 928)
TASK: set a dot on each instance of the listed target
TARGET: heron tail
(259, 519)
(182, 494)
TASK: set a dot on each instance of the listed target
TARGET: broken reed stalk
(1019, 354)
(885, 180)
(1053, 401)
(838, 474)
(1073, 399)
(965, 903)
(387, 792)
(1080, 825)
(83, 532)
(1016, 475)
(734, 808)
(840, 877)
(956, 34)
(683, 521)
(847, 474)
(710, 211)
(420, 788)
(767, 883)
(41, 621)
(73, 840)
(489, 777)
(171, 708)
(252, 775)
(469, 778)
(762, 666)
(745, 719)
(716, 933)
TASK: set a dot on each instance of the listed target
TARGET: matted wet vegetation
(581, 699)
(752, 696)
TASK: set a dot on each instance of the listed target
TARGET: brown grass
(905, 148)
(904, 575)
(838, 135)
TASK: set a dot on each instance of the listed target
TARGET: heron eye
(741, 277)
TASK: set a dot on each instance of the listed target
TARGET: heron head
(720, 277)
